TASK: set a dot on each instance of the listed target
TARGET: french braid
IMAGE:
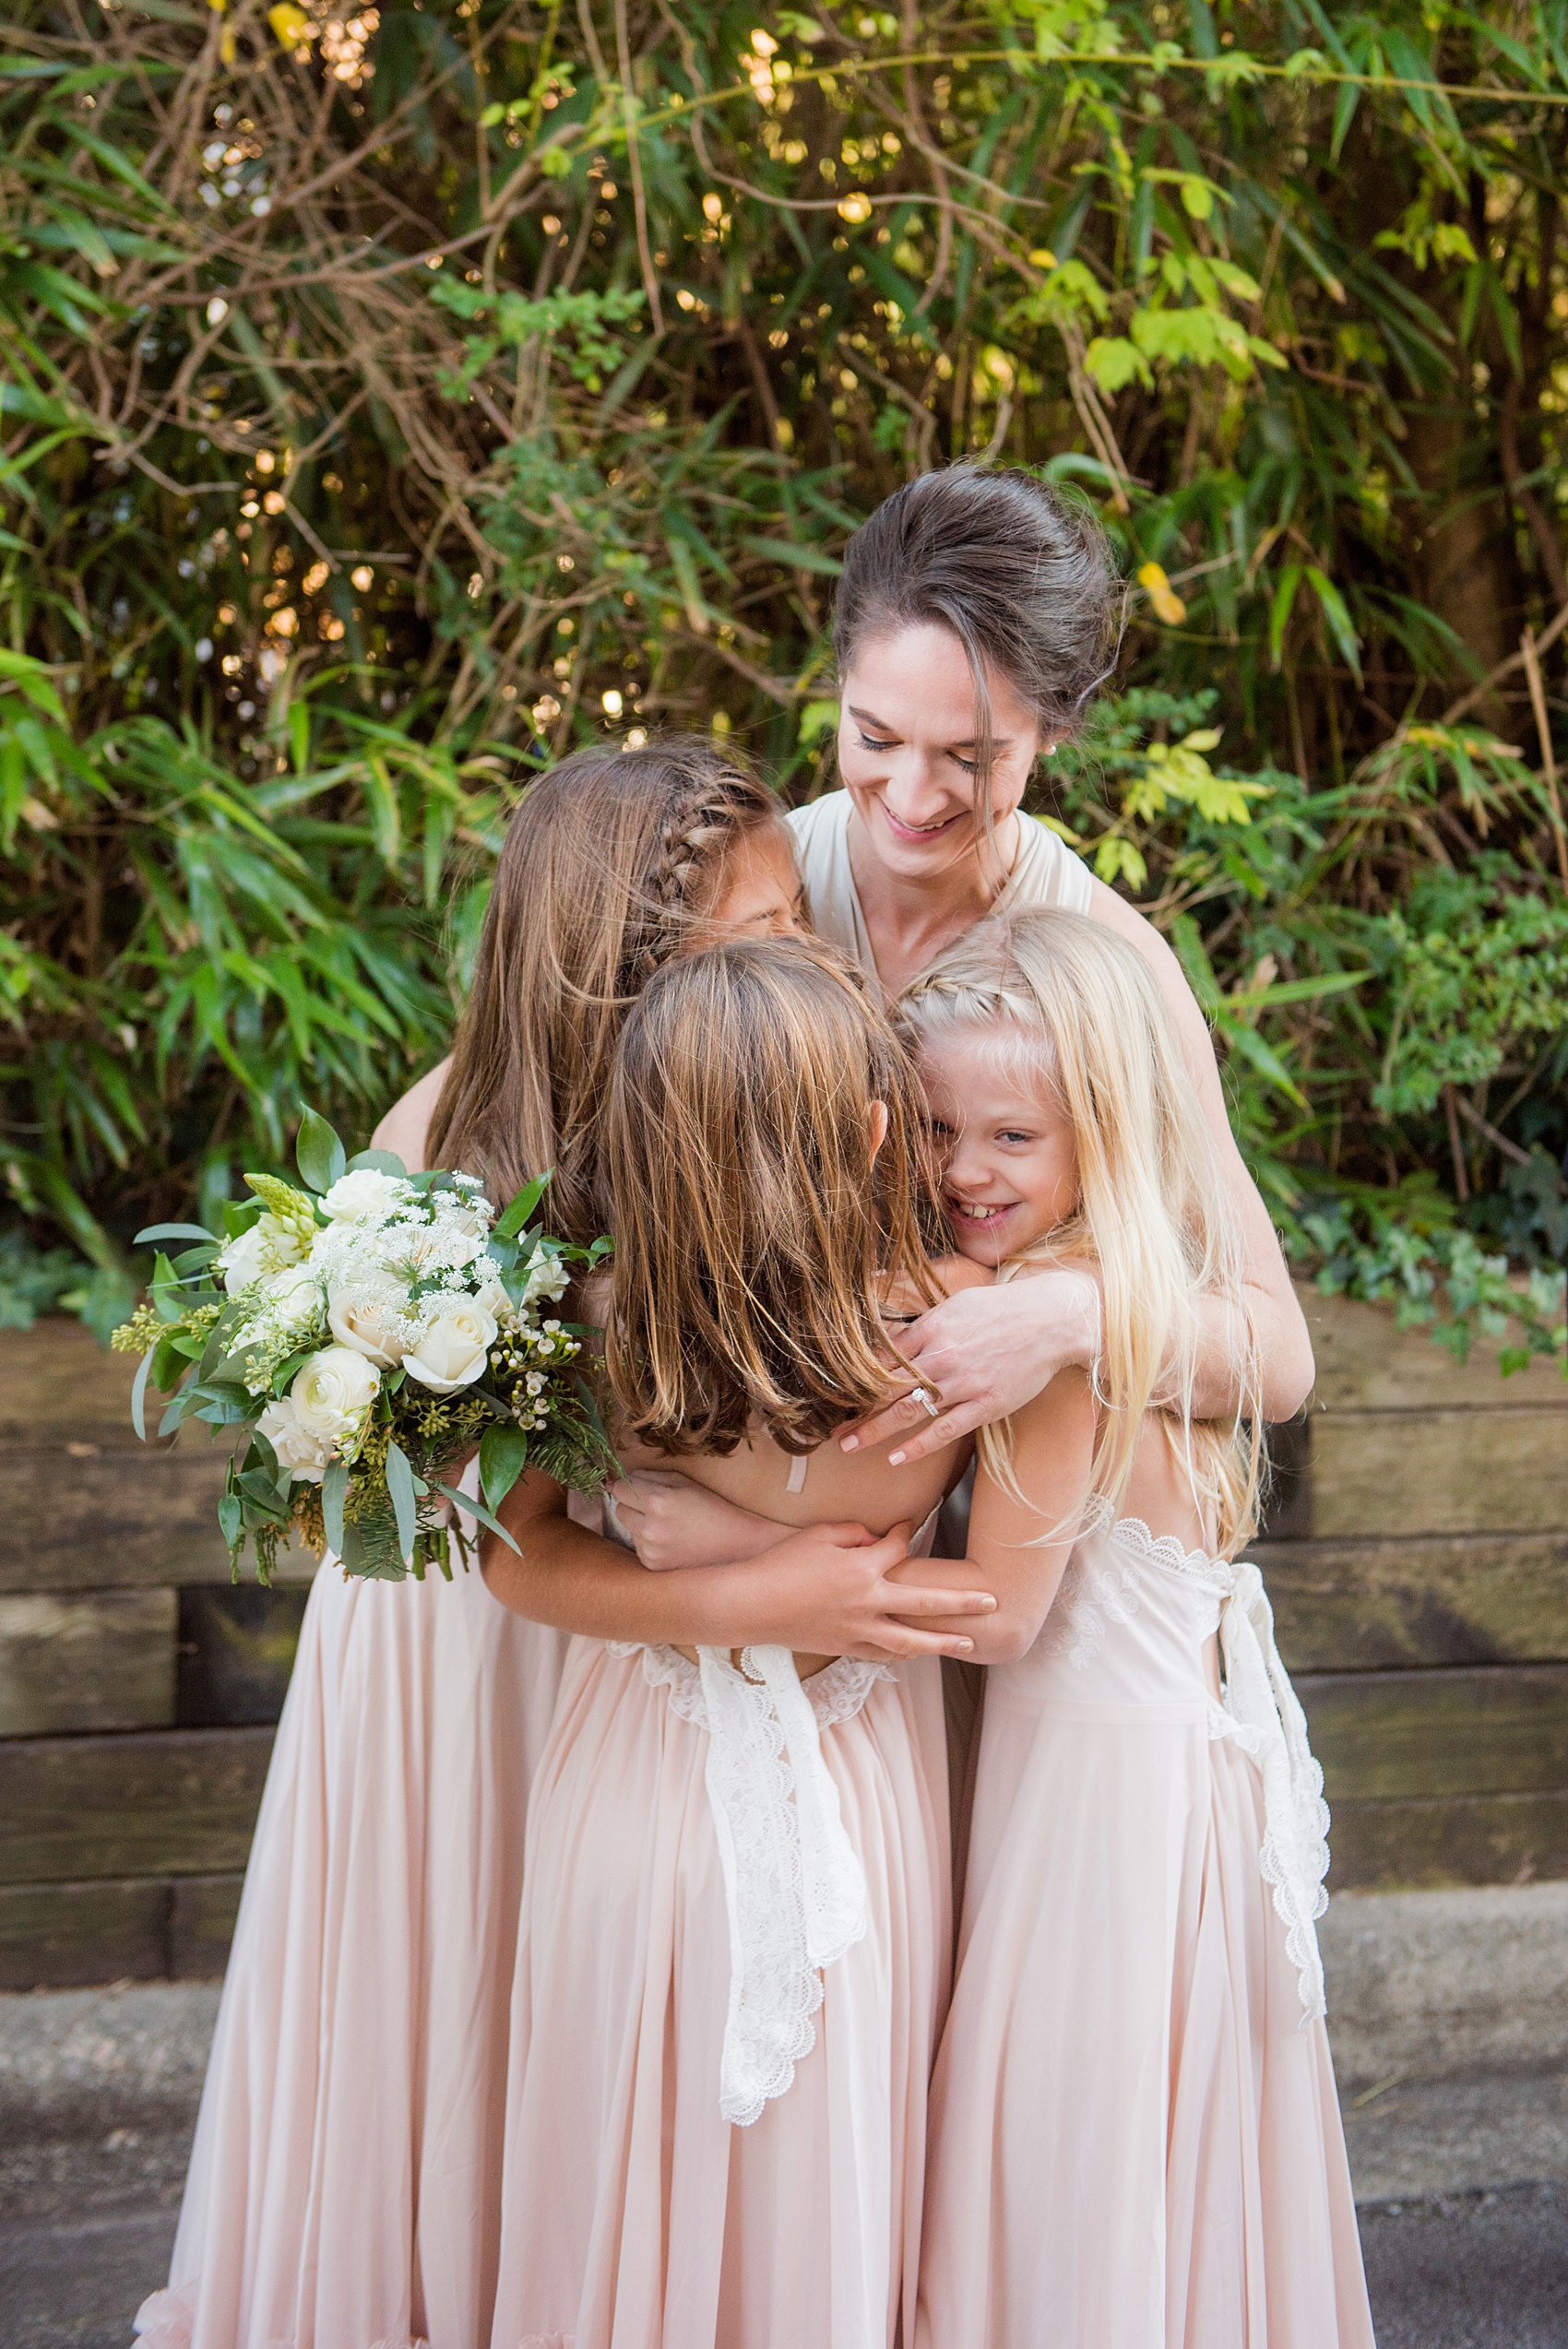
(693, 839)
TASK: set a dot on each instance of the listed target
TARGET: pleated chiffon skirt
(345, 2182)
(635, 2216)
(1135, 2141)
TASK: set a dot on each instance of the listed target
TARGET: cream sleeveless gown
(1045, 873)
(1135, 2137)
(717, 2100)
(345, 2183)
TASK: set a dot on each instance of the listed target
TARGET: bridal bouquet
(364, 1336)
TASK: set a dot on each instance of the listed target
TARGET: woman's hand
(826, 1591)
(673, 1521)
(987, 1352)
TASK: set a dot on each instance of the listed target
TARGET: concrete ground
(1451, 2028)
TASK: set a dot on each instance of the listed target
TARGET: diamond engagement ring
(918, 1394)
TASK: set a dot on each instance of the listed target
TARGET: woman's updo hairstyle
(1022, 575)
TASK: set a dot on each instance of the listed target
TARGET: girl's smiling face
(1009, 1162)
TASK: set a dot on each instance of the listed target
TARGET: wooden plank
(60, 1937)
(1395, 1735)
(124, 1520)
(1455, 1598)
(1366, 1362)
(58, 1383)
(1440, 1472)
(101, 1660)
(1419, 1846)
(202, 1925)
(171, 1802)
(236, 1652)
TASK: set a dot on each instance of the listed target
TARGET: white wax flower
(297, 1446)
(367, 1324)
(548, 1277)
(455, 1347)
(294, 1300)
(268, 1247)
(366, 1196)
(332, 1393)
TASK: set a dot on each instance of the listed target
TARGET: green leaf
(174, 1231)
(384, 1162)
(516, 1216)
(401, 1487)
(232, 1518)
(138, 1394)
(472, 1508)
(503, 1457)
(1279, 611)
(334, 1493)
(318, 1153)
(1337, 617)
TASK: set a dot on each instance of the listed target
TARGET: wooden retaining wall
(1417, 1560)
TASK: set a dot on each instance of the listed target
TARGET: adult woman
(973, 621)
(344, 2183)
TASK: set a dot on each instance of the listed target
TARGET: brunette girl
(345, 2183)
(1134, 2140)
(730, 1966)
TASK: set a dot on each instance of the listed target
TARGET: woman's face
(1009, 1162)
(759, 891)
(908, 742)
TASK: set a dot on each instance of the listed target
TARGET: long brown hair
(609, 869)
(755, 1227)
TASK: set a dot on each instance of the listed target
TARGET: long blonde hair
(756, 1224)
(609, 869)
(1094, 1035)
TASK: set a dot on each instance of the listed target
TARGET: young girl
(1134, 2137)
(734, 1918)
(344, 2186)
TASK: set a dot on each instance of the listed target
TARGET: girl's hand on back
(987, 1352)
(826, 1591)
(673, 1521)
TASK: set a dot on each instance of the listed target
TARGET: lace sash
(794, 1889)
(1263, 1713)
(1260, 1710)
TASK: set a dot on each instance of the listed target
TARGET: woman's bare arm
(407, 1123)
(824, 1591)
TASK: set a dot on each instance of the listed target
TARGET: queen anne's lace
(794, 1889)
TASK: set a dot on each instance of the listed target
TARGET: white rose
(333, 1391)
(365, 1197)
(364, 1323)
(297, 1446)
(455, 1347)
(268, 1247)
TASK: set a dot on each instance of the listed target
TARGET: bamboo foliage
(388, 400)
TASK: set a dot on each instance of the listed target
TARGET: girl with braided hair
(344, 2189)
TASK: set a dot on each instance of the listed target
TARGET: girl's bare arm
(824, 1591)
(1052, 1456)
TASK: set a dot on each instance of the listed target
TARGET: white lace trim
(1263, 1713)
(794, 1889)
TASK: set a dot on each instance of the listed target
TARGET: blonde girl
(1134, 2137)
(731, 1959)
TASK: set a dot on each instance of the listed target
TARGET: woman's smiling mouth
(902, 831)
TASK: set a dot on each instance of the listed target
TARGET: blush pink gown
(345, 2183)
(637, 2216)
(1134, 2137)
